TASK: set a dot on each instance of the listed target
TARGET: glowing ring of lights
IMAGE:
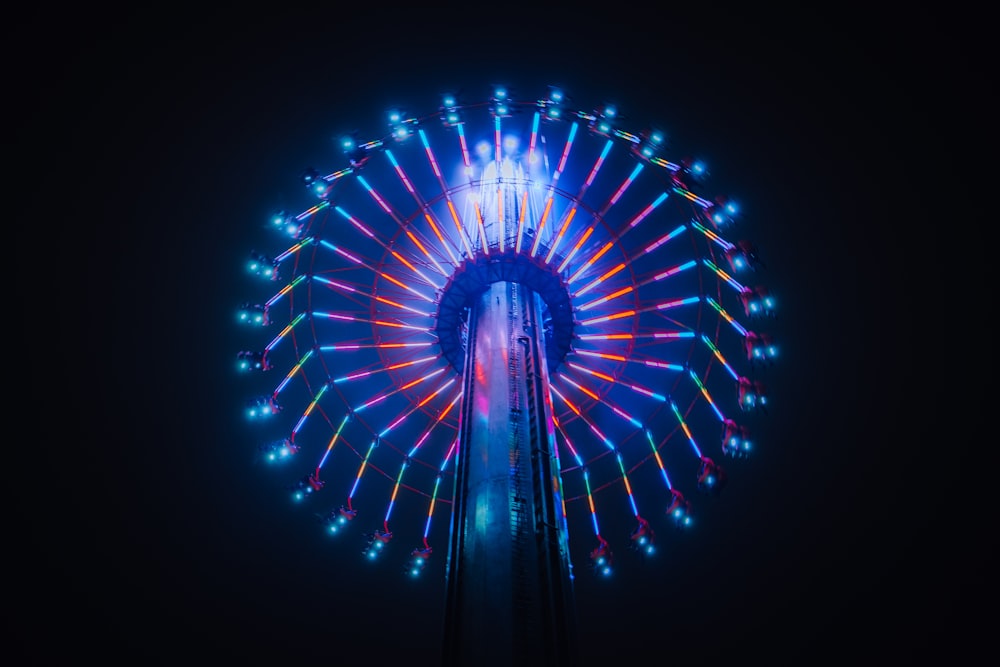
(640, 326)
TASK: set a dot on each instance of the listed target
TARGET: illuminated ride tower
(504, 320)
(546, 322)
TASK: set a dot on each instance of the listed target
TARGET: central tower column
(509, 580)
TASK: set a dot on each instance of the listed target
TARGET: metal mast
(509, 578)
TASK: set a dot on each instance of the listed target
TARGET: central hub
(475, 275)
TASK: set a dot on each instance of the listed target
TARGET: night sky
(167, 543)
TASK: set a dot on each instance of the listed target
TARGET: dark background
(157, 539)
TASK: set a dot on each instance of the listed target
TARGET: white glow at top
(511, 142)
